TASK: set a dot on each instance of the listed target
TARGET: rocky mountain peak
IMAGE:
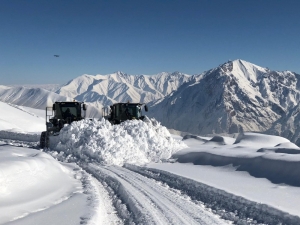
(236, 95)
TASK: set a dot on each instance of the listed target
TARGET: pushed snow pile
(134, 141)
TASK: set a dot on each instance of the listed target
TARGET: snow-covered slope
(39, 98)
(232, 96)
(31, 97)
(48, 87)
(21, 119)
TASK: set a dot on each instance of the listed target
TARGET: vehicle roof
(75, 103)
(125, 103)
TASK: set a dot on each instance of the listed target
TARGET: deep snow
(253, 170)
(32, 181)
(135, 142)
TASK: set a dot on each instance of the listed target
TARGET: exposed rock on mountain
(235, 94)
(288, 126)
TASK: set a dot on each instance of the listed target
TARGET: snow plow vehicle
(58, 115)
(119, 112)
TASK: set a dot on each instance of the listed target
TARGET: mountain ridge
(236, 95)
(121, 87)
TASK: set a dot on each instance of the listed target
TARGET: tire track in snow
(228, 206)
(148, 202)
(103, 211)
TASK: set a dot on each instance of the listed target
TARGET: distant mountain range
(234, 96)
(105, 90)
(98, 91)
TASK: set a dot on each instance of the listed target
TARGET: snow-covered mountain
(48, 87)
(37, 98)
(235, 95)
(99, 90)
(104, 90)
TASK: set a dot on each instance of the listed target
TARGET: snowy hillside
(21, 119)
(19, 123)
(31, 97)
(48, 87)
(232, 96)
(39, 98)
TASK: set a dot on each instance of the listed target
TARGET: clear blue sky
(143, 37)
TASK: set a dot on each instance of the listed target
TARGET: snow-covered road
(138, 173)
(130, 194)
(150, 201)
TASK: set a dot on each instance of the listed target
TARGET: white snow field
(138, 173)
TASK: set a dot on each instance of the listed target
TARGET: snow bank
(19, 136)
(257, 139)
(135, 141)
(30, 181)
(262, 156)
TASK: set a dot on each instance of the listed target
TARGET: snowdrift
(135, 142)
(262, 156)
(31, 181)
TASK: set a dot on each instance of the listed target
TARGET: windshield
(134, 110)
(71, 110)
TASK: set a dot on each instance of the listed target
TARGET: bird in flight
(56, 55)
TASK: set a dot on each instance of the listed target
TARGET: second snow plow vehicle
(120, 112)
(58, 115)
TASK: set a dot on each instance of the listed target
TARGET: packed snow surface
(134, 141)
(249, 179)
